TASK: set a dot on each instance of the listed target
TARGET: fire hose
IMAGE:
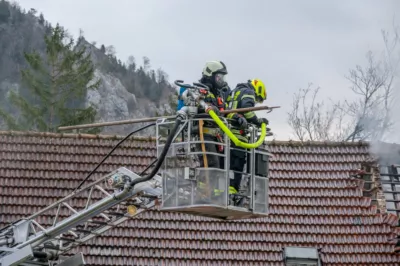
(235, 140)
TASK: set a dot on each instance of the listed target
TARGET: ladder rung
(98, 222)
(116, 213)
(148, 197)
(83, 230)
(68, 239)
(31, 263)
(51, 247)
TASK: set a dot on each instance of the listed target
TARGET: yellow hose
(234, 138)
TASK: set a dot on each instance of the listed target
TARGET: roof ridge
(153, 138)
(319, 143)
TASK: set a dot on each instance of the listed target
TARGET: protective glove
(240, 120)
(262, 120)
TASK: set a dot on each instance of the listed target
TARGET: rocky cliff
(126, 91)
(114, 101)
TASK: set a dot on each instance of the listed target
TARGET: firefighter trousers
(237, 162)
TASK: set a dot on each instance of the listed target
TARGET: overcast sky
(287, 44)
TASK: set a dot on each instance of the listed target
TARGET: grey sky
(285, 43)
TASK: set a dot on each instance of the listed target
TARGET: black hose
(179, 83)
(113, 149)
(148, 167)
(161, 158)
(40, 255)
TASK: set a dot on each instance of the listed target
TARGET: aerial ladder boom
(38, 240)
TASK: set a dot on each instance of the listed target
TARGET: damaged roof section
(386, 176)
(389, 177)
(315, 202)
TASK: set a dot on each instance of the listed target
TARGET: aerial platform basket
(197, 187)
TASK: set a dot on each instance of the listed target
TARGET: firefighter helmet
(214, 67)
(260, 90)
(216, 72)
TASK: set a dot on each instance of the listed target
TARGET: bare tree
(366, 118)
(309, 120)
(370, 113)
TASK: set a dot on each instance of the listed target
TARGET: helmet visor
(220, 80)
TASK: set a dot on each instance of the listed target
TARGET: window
(301, 256)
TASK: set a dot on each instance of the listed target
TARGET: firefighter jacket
(243, 96)
(214, 100)
(210, 127)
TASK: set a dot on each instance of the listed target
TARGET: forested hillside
(126, 90)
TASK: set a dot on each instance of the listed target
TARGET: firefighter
(243, 96)
(213, 76)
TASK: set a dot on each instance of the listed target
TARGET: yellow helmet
(260, 90)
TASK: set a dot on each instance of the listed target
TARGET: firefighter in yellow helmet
(243, 96)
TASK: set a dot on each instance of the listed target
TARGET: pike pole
(151, 119)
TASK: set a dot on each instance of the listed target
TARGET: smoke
(387, 153)
(387, 147)
(394, 134)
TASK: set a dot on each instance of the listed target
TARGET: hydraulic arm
(38, 241)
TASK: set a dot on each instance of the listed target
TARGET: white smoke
(387, 147)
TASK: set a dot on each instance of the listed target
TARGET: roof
(313, 202)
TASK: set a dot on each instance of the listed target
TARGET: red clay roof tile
(313, 202)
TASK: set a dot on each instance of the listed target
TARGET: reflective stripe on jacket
(243, 96)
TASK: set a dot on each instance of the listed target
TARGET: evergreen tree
(41, 19)
(4, 11)
(58, 83)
